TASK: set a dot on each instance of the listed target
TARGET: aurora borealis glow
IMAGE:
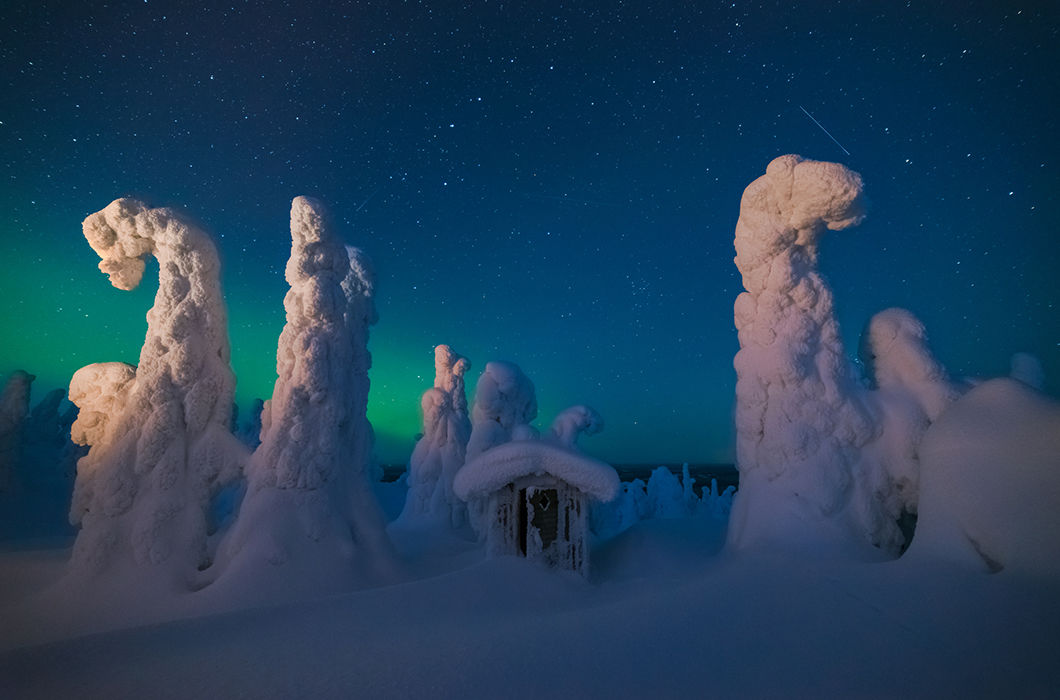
(555, 186)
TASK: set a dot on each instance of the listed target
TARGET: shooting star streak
(376, 190)
(823, 129)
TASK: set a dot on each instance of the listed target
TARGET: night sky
(552, 184)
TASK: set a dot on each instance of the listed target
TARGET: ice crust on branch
(159, 433)
(440, 453)
(308, 501)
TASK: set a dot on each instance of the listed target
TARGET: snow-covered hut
(538, 500)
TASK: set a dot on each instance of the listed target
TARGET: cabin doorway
(543, 503)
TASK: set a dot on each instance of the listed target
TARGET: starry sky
(554, 184)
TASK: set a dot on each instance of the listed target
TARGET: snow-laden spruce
(895, 349)
(49, 458)
(308, 512)
(160, 436)
(440, 453)
(911, 390)
(571, 423)
(505, 403)
(14, 407)
(822, 458)
(37, 461)
(798, 428)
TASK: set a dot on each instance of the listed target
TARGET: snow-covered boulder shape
(537, 497)
(990, 482)
(799, 420)
(505, 403)
(440, 453)
(308, 512)
(14, 406)
(1028, 369)
(160, 434)
(571, 423)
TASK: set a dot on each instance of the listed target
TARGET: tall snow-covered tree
(160, 436)
(822, 458)
(440, 453)
(799, 419)
(14, 407)
(308, 512)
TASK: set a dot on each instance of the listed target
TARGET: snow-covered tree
(799, 419)
(822, 458)
(449, 371)
(572, 423)
(37, 460)
(895, 348)
(308, 503)
(505, 403)
(160, 435)
(359, 289)
(911, 390)
(14, 406)
(49, 458)
(440, 453)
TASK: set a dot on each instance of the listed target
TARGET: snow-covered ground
(666, 614)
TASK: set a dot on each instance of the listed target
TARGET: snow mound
(505, 463)
(990, 481)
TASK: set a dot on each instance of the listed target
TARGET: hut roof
(505, 463)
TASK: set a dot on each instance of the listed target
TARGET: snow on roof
(505, 463)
